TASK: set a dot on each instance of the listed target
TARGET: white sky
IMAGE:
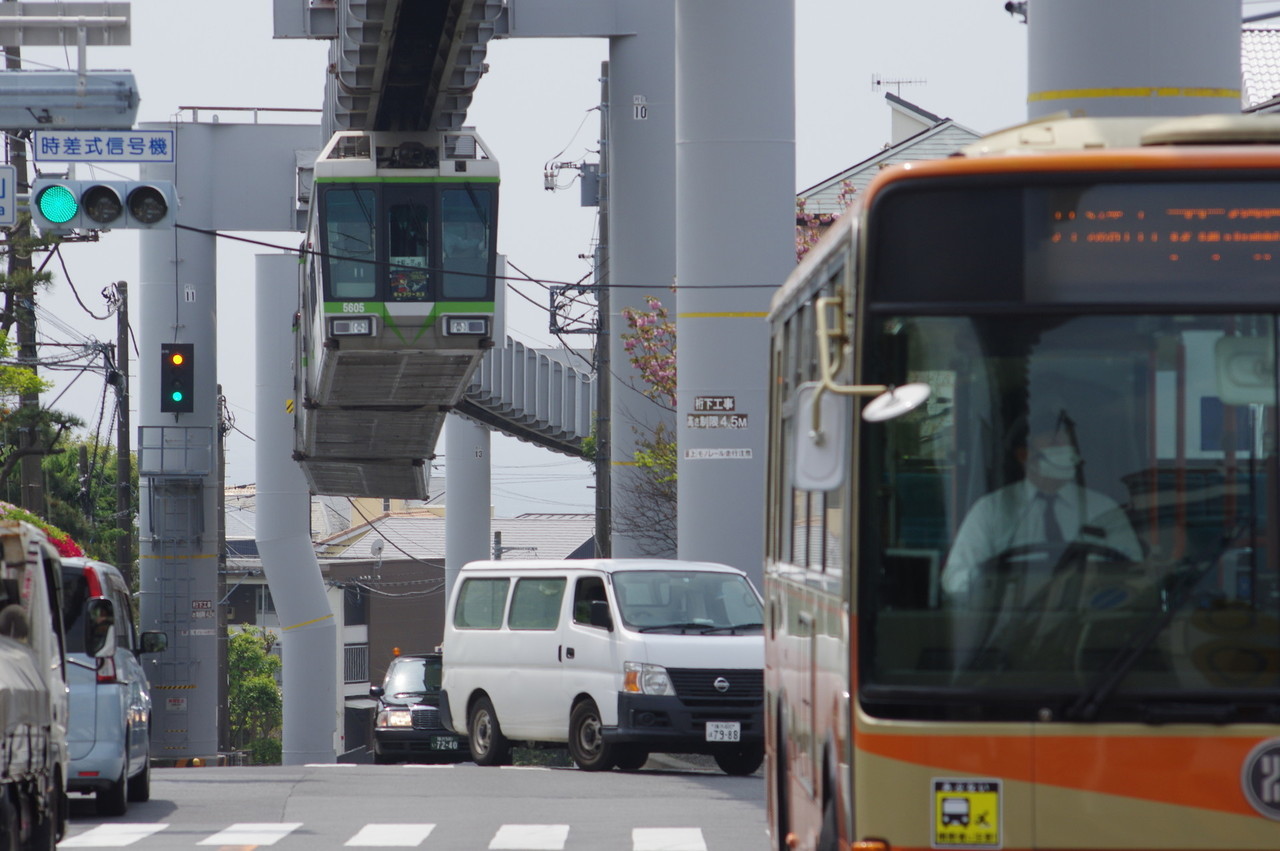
(970, 56)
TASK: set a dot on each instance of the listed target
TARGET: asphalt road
(670, 806)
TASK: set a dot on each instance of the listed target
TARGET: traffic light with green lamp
(177, 378)
(60, 206)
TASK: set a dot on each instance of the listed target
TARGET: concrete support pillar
(639, 186)
(468, 464)
(178, 521)
(219, 188)
(309, 635)
(735, 226)
(641, 194)
(1133, 57)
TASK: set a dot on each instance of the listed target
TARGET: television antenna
(879, 83)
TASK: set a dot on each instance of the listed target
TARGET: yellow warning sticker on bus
(966, 813)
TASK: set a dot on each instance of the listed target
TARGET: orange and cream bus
(1024, 500)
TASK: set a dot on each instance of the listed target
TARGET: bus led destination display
(1209, 242)
(1112, 242)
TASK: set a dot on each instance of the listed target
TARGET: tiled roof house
(1260, 70)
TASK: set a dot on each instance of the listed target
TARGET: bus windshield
(1081, 522)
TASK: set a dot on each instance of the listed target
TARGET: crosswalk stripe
(509, 837)
(111, 835)
(252, 834)
(391, 835)
(667, 839)
(530, 837)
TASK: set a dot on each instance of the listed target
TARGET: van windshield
(704, 602)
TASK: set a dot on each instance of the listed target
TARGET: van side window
(480, 604)
(587, 590)
(536, 603)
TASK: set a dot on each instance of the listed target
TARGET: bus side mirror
(820, 450)
(100, 627)
(600, 615)
(820, 426)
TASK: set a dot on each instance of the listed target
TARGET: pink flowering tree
(811, 226)
(650, 343)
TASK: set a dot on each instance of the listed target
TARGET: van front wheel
(484, 735)
(740, 760)
(586, 739)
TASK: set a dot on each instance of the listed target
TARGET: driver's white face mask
(1058, 462)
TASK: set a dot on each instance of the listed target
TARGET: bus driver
(1046, 511)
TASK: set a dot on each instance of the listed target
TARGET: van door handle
(568, 652)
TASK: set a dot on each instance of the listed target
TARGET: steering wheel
(1004, 562)
(994, 575)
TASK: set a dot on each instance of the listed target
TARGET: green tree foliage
(255, 706)
(82, 500)
(15, 380)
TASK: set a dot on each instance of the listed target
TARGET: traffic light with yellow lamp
(177, 378)
(60, 206)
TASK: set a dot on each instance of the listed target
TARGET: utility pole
(604, 377)
(30, 474)
(124, 464)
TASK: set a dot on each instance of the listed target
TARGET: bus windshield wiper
(679, 626)
(1086, 706)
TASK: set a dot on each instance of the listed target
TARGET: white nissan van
(618, 658)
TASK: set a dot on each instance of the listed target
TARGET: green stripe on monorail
(443, 178)
(379, 308)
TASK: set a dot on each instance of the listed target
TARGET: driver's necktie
(1052, 530)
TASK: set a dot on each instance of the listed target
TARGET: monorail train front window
(465, 233)
(408, 232)
(1081, 523)
(351, 243)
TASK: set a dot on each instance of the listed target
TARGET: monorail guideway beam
(396, 64)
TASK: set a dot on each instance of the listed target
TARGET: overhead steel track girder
(408, 64)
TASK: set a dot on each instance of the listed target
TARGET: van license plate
(724, 731)
(444, 743)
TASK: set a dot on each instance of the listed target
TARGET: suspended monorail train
(396, 304)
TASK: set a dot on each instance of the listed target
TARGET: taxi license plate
(724, 731)
(444, 743)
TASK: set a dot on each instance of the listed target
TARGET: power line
(311, 252)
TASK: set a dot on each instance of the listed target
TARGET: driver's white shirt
(1013, 516)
